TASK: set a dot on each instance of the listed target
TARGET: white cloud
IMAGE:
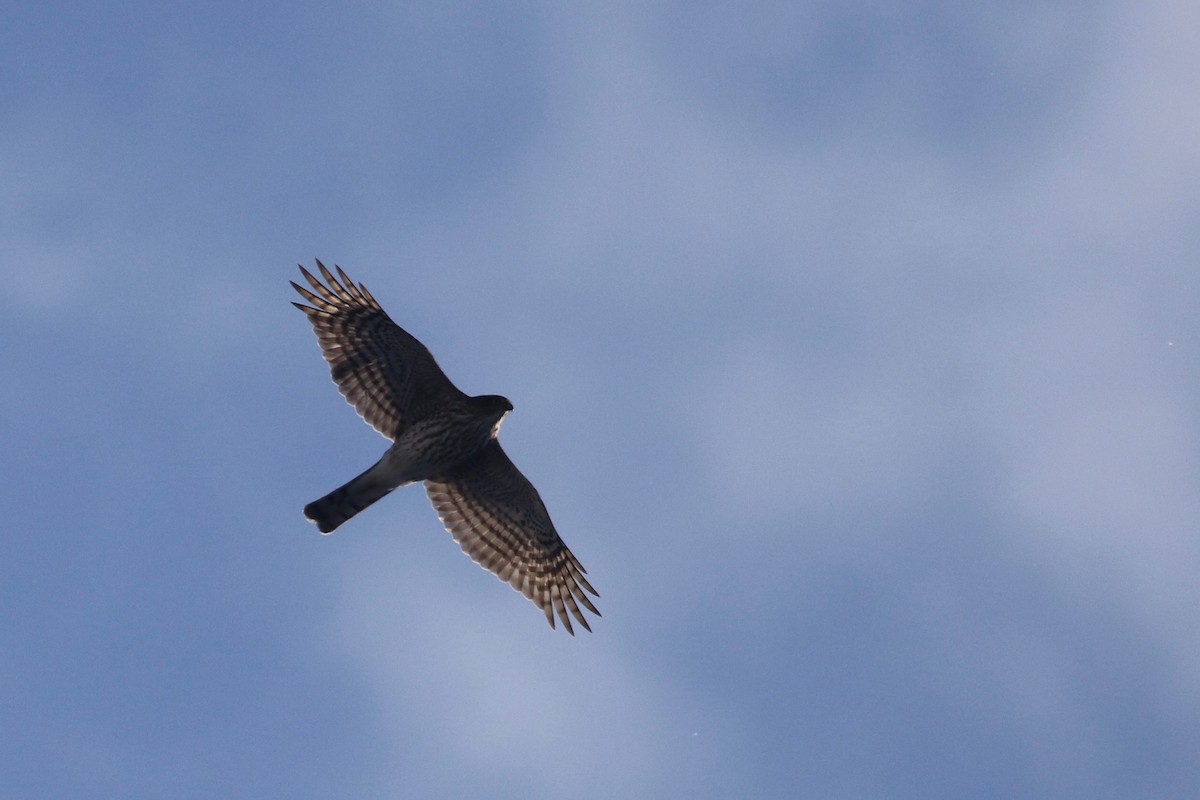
(1100, 447)
(472, 667)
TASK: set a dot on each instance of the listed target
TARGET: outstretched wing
(381, 369)
(497, 517)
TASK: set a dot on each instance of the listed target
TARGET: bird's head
(492, 407)
(493, 404)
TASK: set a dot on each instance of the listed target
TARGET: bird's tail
(344, 502)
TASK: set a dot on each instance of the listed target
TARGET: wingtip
(325, 271)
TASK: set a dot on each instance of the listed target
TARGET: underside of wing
(382, 370)
(497, 517)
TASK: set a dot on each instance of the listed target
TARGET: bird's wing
(380, 368)
(496, 515)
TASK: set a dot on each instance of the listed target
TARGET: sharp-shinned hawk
(443, 437)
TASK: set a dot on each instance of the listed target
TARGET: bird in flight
(443, 437)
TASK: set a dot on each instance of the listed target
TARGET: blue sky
(853, 349)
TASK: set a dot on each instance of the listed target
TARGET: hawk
(443, 437)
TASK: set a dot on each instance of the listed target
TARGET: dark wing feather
(382, 370)
(497, 517)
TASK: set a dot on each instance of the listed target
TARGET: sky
(853, 348)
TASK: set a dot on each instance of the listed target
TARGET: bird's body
(443, 437)
(425, 448)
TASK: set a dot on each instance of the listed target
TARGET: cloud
(465, 675)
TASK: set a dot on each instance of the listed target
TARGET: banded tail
(344, 502)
